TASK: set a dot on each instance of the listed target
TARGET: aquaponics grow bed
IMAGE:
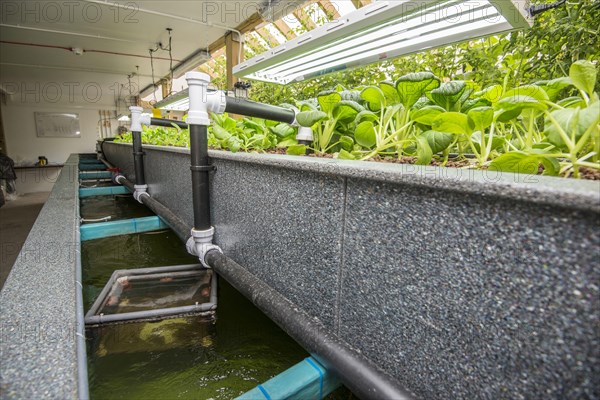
(459, 283)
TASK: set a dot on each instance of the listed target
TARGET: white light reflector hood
(384, 30)
(179, 101)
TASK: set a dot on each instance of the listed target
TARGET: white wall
(30, 180)
(23, 145)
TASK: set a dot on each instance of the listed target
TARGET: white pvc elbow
(138, 118)
(200, 243)
(201, 100)
(140, 190)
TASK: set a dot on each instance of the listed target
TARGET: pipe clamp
(202, 168)
(145, 119)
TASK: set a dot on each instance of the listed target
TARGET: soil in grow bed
(585, 173)
(120, 206)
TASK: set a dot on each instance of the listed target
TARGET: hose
(103, 219)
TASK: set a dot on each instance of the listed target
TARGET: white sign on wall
(50, 124)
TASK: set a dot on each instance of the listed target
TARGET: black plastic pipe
(240, 106)
(181, 229)
(168, 123)
(359, 374)
(200, 175)
(108, 165)
(138, 158)
(102, 158)
(127, 183)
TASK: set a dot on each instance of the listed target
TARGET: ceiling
(37, 38)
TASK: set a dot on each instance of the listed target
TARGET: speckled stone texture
(167, 174)
(38, 357)
(171, 183)
(468, 297)
(268, 231)
(461, 284)
(284, 226)
(121, 156)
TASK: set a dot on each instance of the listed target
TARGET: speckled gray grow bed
(462, 284)
(41, 322)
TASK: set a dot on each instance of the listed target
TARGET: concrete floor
(16, 219)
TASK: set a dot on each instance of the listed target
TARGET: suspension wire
(137, 69)
(171, 61)
(129, 76)
(116, 99)
(169, 48)
(152, 68)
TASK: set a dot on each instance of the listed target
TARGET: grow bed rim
(566, 193)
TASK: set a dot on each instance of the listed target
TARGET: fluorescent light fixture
(179, 101)
(195, 59)
(384, 30)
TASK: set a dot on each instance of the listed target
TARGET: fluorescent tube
(384, 30)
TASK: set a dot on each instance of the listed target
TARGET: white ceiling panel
(39, 35)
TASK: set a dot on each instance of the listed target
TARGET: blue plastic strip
(255, 394)
(88, 161)
(306, 380)
(95, 175)
(103, 191)
(312, 363)
(123, 227)
(92, 167)
(264, 391)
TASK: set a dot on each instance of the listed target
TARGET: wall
(30, 180)
(46, 89)
(23, 145)
(460, 284)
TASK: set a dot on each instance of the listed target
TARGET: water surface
(119, 206)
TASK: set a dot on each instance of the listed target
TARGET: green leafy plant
(160, 136)
(248, 134)
(389, 128)
(332, 120)
(570, 139)
(551, 126)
